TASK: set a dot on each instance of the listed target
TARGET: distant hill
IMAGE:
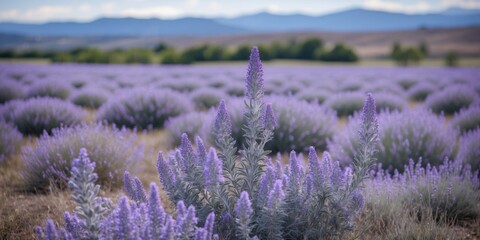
(124, 27)
(354, 20)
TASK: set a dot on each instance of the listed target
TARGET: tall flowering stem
(364, 158)
(256, 135)
(90, 208)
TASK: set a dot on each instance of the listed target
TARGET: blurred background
(369, 32)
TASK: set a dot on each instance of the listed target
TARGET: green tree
(161, 47)
(242, 53)
(339, 53)
(451, 59)
(306, 48)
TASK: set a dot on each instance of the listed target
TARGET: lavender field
(239, 152)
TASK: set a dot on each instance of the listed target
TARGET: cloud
(192, 3)
(42, 13)
(47, 13)
(471, 4)
(273, 8)
(393, 6)
(160, 12)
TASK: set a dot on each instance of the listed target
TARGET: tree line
(306, 49)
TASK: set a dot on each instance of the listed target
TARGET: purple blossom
(254, 81)
(243, 208)
(123, 220)
(212, 171)
(276, 196)
(156, 213)
(270, 121)
(222, 123)
(51, 230)
(167, 178)
(168, 232)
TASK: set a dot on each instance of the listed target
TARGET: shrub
(451, 99)
(313, 95)
(404, 135)
(193, 123)
(95, 218)
(10, 139)
(467, 119)
(300, 125)
(90, 98)
(421, 91)
(36, 115)
(423, 202)
(50, 88)
(469, 149)
(254, 197)
(449, 191)
(144, 109)
(10, 90)
(389, 102)
(49, 160)
(206, 98)
(345, 104)
(407, 83)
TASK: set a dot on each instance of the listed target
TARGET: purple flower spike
(243, 208)
(167, 178)
(369, 118)
(254, 75)
(270, 121)
(51, 230)
(212, 172)
(223, 123)
(313, 162)
(186, 149)
(168, 232)
(276, 196)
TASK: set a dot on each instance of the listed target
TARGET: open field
(425, 115)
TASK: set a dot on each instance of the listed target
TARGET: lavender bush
(50, 88)
(49, 160)
(206, 98)
(144, 109)
(194, 124)
(256, 198)
(345, 104)
(90, 98)
(467, 119)
(10, 139)
(95, 218)
(313, 95)
(469, 149)
(448, 191)
(10, 90)
(452, 99)
(421, 91)
(36, 115)
(389, 102)
(403, 136)
(300, 125)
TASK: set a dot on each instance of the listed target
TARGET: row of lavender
(91, 86)
(305, 99)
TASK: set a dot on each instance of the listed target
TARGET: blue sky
(85, 10)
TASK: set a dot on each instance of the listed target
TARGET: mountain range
(353, 20)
